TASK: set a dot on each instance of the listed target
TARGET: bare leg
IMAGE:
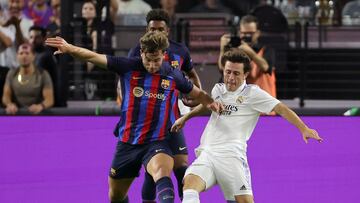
(244, 199)
(118, 188)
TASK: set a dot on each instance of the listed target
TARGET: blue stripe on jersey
(125, 104)
(142, 112)
(162, 112)
(174, 107)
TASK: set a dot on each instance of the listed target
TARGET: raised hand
(59, 43)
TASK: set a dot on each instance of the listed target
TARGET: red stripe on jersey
(150, 110)
(129, 113)
(162, 132)
(176, 106)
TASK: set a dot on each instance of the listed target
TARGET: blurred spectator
(88, 13)
(27, 86)
(133, 7)
(262, 57)
(240, 8)
(45, 59)
(210, 6)
(170, 7)
(351, 13)
(55, 20)
(39, 11)
(15, 9)
(7, 39)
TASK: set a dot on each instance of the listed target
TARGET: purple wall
(66, 159)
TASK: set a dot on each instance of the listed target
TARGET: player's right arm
(83, 54)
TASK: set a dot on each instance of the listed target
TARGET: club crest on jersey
(165, 83)
(240, 100)
(175, 64)
(138, 91)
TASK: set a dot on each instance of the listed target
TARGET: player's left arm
(294, 119)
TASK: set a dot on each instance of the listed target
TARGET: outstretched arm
(205, 99)
(180, 123)
(291, 116)
(77, 52)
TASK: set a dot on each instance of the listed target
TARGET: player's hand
(59, 43)
(311, 133)
(179, 123)
(11, 109)
(35, 108)
(216, 106)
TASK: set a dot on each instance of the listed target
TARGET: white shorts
(231, 173)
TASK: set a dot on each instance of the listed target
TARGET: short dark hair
(38, 28)
(154, 41)
(249, 19)
(236, 55)
(158, 15)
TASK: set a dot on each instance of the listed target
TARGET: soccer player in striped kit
(178, 56)
(147, 112)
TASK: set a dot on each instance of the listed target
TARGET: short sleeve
(187, 65)
(215, 92)
(10, 76)
(47, 82)
(182, 84)
(262, 101)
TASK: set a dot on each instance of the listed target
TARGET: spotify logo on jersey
(138, 91)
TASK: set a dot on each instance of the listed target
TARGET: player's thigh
(127, 162)
(158, 160)
(180, 160)
(233, 176)
(202, 168)
(118, 188)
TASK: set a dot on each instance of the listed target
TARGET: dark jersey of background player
(148, 99)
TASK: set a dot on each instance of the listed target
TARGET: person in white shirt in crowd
(221, 156)
(132, 7)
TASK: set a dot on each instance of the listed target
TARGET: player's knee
(194, 182)
(116, 195)
(180, 161)
(161, 171)
(244, 199)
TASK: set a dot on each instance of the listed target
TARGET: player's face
(158, 25)
(152, 61)
(234, 75)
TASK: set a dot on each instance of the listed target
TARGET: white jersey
(226, 135)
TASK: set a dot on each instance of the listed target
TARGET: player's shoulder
(177, 46)
(219, 88)
(251, 89)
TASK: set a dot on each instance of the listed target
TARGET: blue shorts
(128, 158)
(177, 143)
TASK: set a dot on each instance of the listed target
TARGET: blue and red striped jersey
(147, 110)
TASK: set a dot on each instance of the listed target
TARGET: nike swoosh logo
(182, 148)
(159, 150)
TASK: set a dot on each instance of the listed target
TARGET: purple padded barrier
(66, 159)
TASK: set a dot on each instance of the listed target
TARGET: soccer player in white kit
(221, 156)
